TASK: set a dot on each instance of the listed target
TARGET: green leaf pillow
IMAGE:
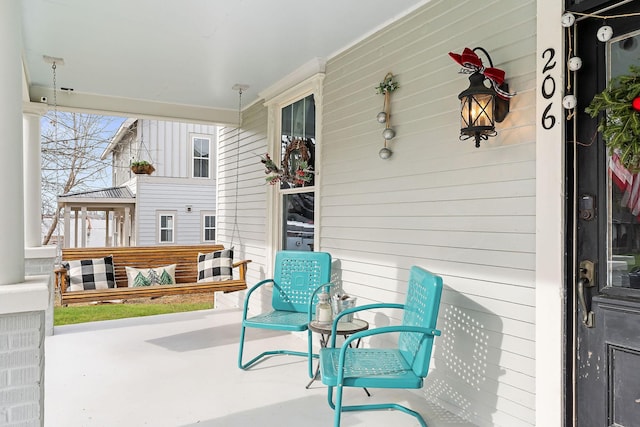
(137, 277)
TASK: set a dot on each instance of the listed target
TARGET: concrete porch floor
(180, 370)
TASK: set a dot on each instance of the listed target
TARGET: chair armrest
(355, 310)
(60, 279)
(248, 295)
(243, 268)
(391, 329)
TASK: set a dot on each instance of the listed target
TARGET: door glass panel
(623, 197)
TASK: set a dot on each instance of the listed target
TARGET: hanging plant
(142, 167)
(620, 126)
(388, 85)
(295, 168)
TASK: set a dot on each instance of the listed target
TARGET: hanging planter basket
(141, 168)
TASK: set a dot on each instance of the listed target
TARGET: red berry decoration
(636, 103)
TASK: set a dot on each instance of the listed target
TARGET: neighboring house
(176, 204)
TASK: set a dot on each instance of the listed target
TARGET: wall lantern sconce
(385, 88)
(481, 105)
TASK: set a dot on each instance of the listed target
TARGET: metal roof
(103, 193)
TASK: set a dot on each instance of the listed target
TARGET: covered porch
(489, 220)
(118, 206)
(181, 370)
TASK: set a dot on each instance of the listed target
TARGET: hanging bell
(569, 102)
(575, 63)
(605, 33)
(381, 117)
(388, 133)
(567, 19)
(385, 153)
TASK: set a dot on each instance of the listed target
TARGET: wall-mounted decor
(295, 169)
(386, 87)
(481, 104)
(620, 123)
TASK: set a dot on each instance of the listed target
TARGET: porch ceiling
(181, 59)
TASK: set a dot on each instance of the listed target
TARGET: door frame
(550, 334)
(583, 129)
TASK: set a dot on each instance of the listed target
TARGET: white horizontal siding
(467, 214)
(242, 198)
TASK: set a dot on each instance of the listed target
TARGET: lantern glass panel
(477, 112)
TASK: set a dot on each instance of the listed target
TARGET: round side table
(344, 329)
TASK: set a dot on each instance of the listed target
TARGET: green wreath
(620, 125)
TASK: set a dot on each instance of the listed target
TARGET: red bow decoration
(471, 63)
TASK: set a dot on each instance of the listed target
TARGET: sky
(110, 124)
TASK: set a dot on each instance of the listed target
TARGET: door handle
(585, 280)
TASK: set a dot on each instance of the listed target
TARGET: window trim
(310, 86)
(159, 215)
(192, 157)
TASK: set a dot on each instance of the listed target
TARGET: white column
(76, 231)
(550, 229)
(127, 227)
(67, 226)
(83, 222)
(32, 176)
(11, 190)
(106, 232)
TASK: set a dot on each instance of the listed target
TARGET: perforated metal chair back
(297, 274)
(297, 277)
(402, 366)
(421, 309)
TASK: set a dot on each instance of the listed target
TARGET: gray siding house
(176, 203)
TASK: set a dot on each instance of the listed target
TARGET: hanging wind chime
(385, 88)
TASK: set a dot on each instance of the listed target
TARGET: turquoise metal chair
(401, 367)
(297, 277)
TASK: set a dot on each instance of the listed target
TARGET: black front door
(605, 229)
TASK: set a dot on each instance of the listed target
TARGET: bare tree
(72, 144)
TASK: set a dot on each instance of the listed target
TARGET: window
(297, 146)
(201, 149)
(208, 227)
(166, 227)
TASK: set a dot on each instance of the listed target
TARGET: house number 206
(548, 87)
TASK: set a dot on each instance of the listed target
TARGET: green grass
(92, 313)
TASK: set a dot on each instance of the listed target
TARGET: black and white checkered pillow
(97, 273)
(215, 266)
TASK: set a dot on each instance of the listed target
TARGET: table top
(344, 328)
